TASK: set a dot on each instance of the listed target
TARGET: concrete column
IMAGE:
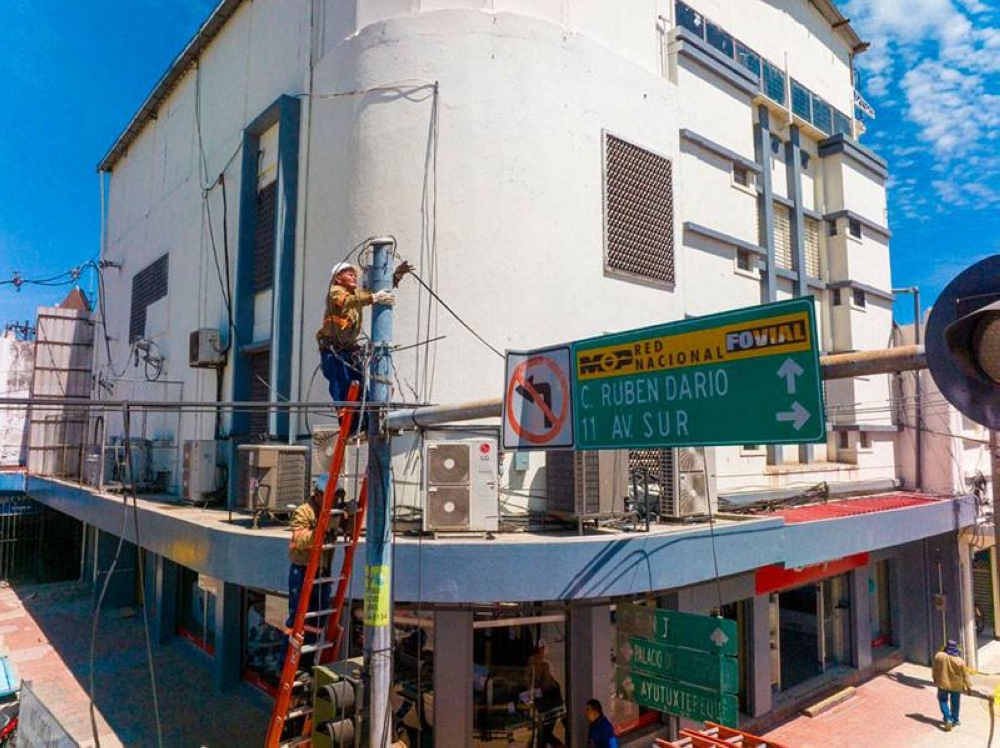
(453, 679)
(163, 597)
(589, 665)
(758, 662)
(228, 636)
(860, 618)
(967, 605)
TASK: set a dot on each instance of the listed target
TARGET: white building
(554, 170)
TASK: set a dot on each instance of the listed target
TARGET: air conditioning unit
(205, 348)
(98, 465)
(122, 472)
(693, 491)
(271, 477)
(355, 465)
(461, 486)
(199, 469)
(586, 484)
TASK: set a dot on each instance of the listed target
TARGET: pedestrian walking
(951, 678)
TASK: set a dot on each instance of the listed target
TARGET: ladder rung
(300, 740)
(300, 712)
(327, 580)
(338, 512)
(318, 613)
(329, 546)
(307, 648)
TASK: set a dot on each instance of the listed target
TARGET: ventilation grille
(148, 286)
(812, 247)
(264, 234)
(448, 463)
(654, 468)
(260, 372)
(782, 237)
(639, 211)
(448, 508)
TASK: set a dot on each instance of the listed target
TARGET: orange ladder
(714, 735)
(331, 634)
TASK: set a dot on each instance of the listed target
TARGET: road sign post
(748, 376)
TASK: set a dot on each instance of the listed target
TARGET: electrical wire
(454, 314)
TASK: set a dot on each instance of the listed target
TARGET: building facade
(554, 171)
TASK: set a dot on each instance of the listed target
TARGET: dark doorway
(799, 639)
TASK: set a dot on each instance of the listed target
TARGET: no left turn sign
(537, 401)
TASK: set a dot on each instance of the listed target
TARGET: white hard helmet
(341, 267)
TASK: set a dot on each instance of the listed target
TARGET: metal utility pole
(378, 544)
(995, 550)
(918, 428)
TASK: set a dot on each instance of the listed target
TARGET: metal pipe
(378, 545)
(865, 363)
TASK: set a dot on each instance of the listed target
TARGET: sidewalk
(45, 631)
(900, 709)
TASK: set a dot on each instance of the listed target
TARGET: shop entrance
(810, 631)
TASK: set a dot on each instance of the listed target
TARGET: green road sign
(748, 376)
(703, 633)
(711, 671)
(681, 699)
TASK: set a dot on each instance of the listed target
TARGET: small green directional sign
(717, 672)
(747, 376)
(682, 699)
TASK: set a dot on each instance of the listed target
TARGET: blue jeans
(955, 697)
(320, 598)
(339, 370)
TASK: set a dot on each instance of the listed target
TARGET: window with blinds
(812, 247)
(639, 211)
(782, 237)
(148, 286)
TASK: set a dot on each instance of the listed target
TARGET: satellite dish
(963, 342)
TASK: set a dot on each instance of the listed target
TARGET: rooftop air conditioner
(199, 469)
(271, 477)
(461, 487)
(586, 484)
(693, 492)
(205, 349)
(355, 465)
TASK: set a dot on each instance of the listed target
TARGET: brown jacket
(303, 527)
(342, 320)
(950, 673)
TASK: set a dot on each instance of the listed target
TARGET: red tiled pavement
(45, 631)
(899, 710)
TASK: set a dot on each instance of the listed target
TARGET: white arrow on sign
(788, 371)
(719, 637)
(797, 415)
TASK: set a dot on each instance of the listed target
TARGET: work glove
(385, 298)
(402, 269)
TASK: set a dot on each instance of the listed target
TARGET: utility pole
(995, 550)
(378, 544)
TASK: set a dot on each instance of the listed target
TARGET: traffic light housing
(963, 342)
(337, 704)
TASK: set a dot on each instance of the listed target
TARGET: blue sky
(73, 77)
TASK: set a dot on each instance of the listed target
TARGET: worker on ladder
(303, 527)
(341, 358)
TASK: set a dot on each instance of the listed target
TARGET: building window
(864, 440)
(804, 160)
(639, 211)
(854, 227)
(836, 297)
(742, 176)
(148, 286)
(264, 236)
(264, 643)
(831, 228)
(750, 447)
(690, 19)
(859, 298)
(782, 237)
(775, 144)
(811, 242)
(719, 39)
(745, 260)
(843, 440)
